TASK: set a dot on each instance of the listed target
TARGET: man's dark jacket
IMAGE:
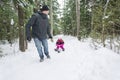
(40, 26)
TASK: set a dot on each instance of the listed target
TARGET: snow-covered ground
(78, 62)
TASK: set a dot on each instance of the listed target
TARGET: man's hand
(29, 39)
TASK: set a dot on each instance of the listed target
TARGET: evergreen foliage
(99, 19)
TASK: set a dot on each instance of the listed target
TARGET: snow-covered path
(78, 62)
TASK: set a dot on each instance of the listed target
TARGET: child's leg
(57, 46)
(62, 46)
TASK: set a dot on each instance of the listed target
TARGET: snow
(78, 62)
(12, 22)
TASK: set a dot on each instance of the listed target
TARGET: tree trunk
(103, 23)
(103, 33)
(78, 18)
(21, 29)
(51, 17)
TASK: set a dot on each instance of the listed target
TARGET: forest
(98, 20)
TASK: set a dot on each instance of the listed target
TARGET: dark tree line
(97, 19)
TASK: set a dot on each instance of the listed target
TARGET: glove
(51, 38)
(29, 39)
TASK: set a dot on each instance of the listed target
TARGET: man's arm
(28, 26)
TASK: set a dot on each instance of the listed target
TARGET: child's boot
(63, 49)
(56, 49)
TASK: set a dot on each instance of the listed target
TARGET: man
(40, 30)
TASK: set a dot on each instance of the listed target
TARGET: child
(59, 44)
